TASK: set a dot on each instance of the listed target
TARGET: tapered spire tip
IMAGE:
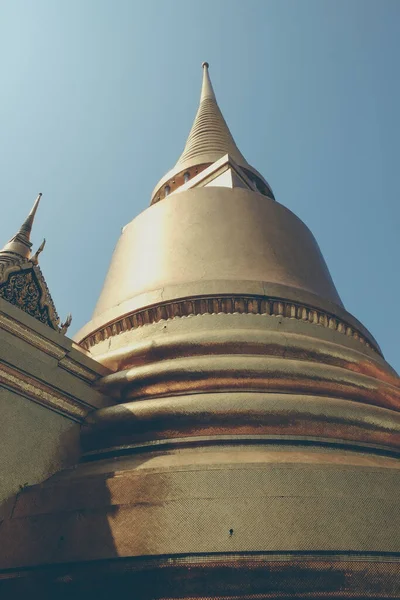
(34, 208)
(207, 88)
(20, 243)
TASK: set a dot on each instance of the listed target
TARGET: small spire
(35, 257)
(20, 243)
(64, 326)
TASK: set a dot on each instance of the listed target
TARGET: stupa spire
(20, 243)
(207, 90)
(209, 138)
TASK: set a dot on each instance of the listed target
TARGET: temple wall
(35, 442)
(46, 391)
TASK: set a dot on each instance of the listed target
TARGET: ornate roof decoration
(21, 244)
(25, 288)
(209, 140)
(21, 279)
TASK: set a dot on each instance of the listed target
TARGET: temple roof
(21, 279)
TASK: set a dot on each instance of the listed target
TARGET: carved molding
(46, 298)
(10, 263)
(42, 393)
(259, 305)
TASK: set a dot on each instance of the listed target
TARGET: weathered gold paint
(253, 448)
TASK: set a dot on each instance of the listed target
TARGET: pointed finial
(35, 257)
(64, 326)
(207, 88)
(20, 243)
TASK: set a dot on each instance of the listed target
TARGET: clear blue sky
(98, 96)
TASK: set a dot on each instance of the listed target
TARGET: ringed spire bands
(209, 140)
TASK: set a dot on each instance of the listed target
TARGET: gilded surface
(241, 417)
(228, 242)
(253, 452)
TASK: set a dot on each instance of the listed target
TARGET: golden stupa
(247, 442)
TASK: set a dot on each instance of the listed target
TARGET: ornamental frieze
(259, 305)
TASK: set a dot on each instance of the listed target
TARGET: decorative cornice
(76, 369)
(30, 336)
(42, 393)
(259, 305)
(50, 348)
